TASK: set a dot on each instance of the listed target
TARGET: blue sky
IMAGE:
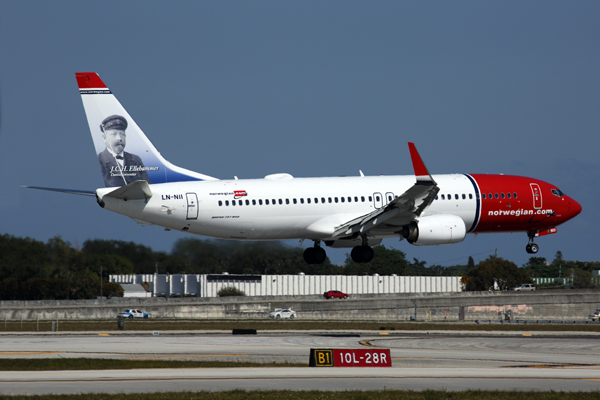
(311, 88)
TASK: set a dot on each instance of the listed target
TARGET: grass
(318, 395)
(208, 325)
(78, 364)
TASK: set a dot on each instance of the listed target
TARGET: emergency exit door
(192, 206)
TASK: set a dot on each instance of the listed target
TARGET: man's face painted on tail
(115, 140)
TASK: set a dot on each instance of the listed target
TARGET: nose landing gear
(531, 247)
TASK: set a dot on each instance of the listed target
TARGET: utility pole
(101, 282)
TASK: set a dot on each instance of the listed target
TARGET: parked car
(595, 316)
(335, 294)
(133, 314)
(524, 286)
(283, 313)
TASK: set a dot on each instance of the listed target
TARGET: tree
(230, 291)
(112, 289)
(495, 270)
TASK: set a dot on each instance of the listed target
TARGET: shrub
(230, 291)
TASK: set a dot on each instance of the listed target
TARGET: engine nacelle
(435, 230)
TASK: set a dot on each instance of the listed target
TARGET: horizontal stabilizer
(136, 190)
(70, 191)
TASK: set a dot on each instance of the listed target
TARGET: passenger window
(490, 196)
(443, 197)
(470, 196)
(247, 202)
(436, 197)
(329, 198)
(464, 197)
(308, 200)
(514, 195)
(267, 201)
(233, 202)
(502, 195)
(260, 202)
(342, 199)
(226, 202)
(220, 203)
(349, 199)
(483, 196)
(456, 197)
(508, 195)
(336, 199)
(253, 202)
(302, 201)
(280, 201)
(274, 202)
(495, 195)
(376, 198)
(449, 197)
(362, 198)
(287, 201)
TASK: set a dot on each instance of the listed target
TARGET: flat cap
(114, 122)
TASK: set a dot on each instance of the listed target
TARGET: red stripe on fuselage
(502, 213)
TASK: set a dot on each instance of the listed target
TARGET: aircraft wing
(409, 205)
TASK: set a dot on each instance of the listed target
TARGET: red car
(335, 294)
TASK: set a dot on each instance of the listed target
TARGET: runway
(435, 360)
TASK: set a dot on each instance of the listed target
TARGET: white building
(287, 285)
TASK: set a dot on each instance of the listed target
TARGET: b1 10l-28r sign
(350, 358)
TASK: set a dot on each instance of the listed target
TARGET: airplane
(340, 212)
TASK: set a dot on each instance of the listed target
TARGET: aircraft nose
(574, 208)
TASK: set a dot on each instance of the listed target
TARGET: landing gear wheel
(319, 255)
(368, 254)
(309, 255)
(314, 255)
(362, 254)
(532, 248)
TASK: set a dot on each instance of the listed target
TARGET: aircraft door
(537, 195)
(192, 206)
(377, 200)
(389, 196)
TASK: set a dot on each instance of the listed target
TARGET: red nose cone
(574, 208)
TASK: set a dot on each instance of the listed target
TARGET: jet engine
(435, 230)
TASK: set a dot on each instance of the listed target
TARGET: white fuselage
(286, 208)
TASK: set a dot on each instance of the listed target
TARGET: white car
(133, 314)
(524, 286)
(283, 313)
(595, 316)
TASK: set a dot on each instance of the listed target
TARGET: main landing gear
(531, 247)
(364, 253)
(316, 254)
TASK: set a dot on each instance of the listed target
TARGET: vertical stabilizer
(124, 152)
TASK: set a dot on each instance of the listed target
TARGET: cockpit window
(557, 193)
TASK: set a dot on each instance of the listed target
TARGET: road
(420, 360)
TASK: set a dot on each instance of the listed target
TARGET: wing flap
(409, 205)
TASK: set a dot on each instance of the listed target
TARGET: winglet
(421, 173)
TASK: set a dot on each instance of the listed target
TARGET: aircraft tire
(534, 248)
(319, 255)
(356, 254)
(309, 255)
